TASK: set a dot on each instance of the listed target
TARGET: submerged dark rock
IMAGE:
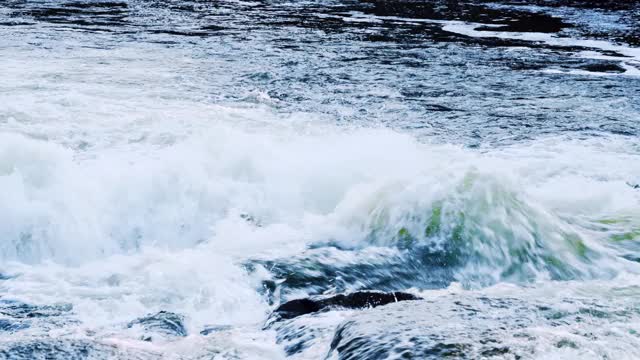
(17, 316)
(12, 326)
(299, 334)
(48, 348)
(471, 327)
(382, 269)
(606, 67)
(214, 329)
(20, 310)
(53, 349)
(356, 300)
(163, 323)
(296, 333)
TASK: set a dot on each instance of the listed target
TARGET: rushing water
(172, 171)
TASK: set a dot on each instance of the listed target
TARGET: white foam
(123, 195)
(632, 54)
(71, 210)
(469, 29)
(147, 216)
(631, 62)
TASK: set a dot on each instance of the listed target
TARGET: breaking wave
(540, 210)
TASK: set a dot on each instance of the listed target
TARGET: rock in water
(605, 67)
(297, 333)
(163, 323)
(214, 329)
(16, 315)
(356, 300)
(73, 349)
(478, 327)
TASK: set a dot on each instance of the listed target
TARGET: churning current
(353, 179)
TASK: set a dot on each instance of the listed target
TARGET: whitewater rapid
(122, 233)
(153, 164)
